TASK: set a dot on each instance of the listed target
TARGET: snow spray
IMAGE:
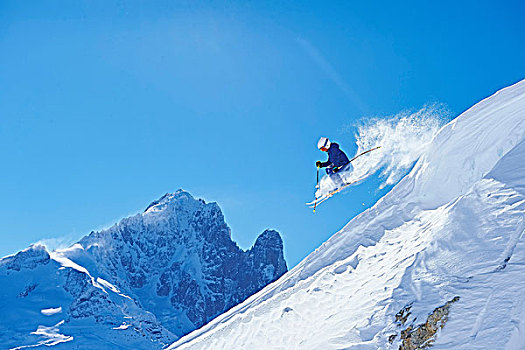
(403, 138)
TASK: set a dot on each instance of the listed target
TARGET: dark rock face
(180, 262)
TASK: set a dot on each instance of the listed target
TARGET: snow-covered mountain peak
(177, 198)
(182, 209)
(29, 258)
(173, 218)
(179, 254)
(145, 281)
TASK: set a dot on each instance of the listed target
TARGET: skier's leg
(347, 168)
(344, 172)
(336, 178)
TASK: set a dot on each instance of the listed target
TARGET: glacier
(438, 261)
(141, 284)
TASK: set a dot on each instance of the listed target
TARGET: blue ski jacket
(336, 157)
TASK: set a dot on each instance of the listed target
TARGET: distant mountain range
(140, 284)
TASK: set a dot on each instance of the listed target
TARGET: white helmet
(323, 143)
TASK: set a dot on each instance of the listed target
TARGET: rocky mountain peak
(179, 253)
(266, 256)
(269, 239)
(147, 280)
(172, 199)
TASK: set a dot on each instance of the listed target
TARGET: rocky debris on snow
(423, 335)
(28, 289)
(402, 315)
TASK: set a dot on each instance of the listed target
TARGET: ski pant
(336, 178)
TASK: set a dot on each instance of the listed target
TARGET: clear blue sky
(105, 106)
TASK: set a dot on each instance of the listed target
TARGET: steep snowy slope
(439, 260)
(140, 284)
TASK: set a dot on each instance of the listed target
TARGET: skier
(337, 159)
(337, 162)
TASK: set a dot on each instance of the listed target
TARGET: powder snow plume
(403, 139)
(57, 243)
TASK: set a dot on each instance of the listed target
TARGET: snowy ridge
(140, 284)
(445, 242)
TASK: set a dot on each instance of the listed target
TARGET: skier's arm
(325, 164)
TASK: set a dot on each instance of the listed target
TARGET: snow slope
(440, 259)
(47, 300)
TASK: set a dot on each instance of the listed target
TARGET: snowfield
(439, 260)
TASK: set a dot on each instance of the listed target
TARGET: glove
(318, 164)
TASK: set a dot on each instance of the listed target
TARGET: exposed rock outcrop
(422, 336)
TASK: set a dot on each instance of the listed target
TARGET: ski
(330, 194)
(312, 202)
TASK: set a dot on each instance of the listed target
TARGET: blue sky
(105, 106)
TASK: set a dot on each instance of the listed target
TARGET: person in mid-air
(337, 159)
